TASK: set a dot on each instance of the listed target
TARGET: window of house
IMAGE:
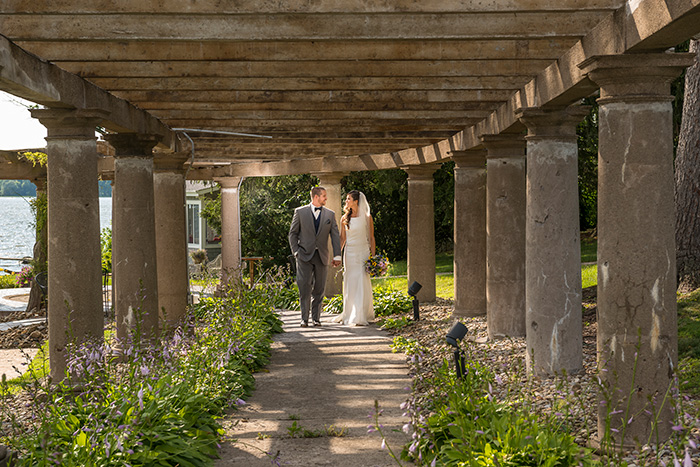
(193, 224)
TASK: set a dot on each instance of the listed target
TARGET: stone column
(637, 322)
(505, 235)
(421, 230)
(335, 202)
(470, 232)
(75, 279)
(230, 229)
(552, 243)
(171, 239)
(134, 239)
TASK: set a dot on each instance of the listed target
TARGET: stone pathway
(6, 304)
(14, 362)
(320, 377)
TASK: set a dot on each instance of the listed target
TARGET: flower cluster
(25, 276)
(377, 265)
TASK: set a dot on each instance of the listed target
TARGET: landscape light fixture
(454, 336)
(412, 291)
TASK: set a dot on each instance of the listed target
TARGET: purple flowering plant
(25, 276)
(145, 401)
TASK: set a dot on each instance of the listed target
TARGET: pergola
(215, 90)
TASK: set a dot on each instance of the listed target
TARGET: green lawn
(444, 265)
(589, 250)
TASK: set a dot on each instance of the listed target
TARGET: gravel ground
(507, 358)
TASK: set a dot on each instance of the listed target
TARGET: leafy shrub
(158, 408)
(333, 304)
(106, 248)
(8, 281)
(396, 323)
(199, 256)
(458, 422)
(389, 301)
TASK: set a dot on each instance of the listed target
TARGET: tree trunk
(688, 181)
(36, 297)
(37, 300)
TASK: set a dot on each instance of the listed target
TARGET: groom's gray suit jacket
(303, 238)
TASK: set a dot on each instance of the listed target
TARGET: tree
(688, 181)
(587, 132)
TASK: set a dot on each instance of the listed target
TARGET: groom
(312, 224)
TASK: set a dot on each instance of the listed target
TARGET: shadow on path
(321, 377)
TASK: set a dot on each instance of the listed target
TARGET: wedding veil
(363, 206)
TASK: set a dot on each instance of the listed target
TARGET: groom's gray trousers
(311, 279)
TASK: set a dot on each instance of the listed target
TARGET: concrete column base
(421, 230)
(171, 240)
(135, 279)
(505, 235)
(470, 232)
(553, 247)
(231, 270)
(74, 258)
(637, 322)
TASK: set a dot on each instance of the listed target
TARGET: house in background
(199, 234)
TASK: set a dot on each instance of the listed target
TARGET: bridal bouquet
(377, 265)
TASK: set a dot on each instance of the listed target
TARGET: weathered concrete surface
(470, 232)
(421, 230)
(505, 235)
(29, 77)
(335, 202)
(637, 322)
(327, 376)
(230, 228)
(171, 241)
(134, 237)
(552, 243)
(75, 275)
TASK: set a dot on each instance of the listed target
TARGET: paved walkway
(320, 377)
(6, 304)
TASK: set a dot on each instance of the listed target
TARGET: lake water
(17, 233)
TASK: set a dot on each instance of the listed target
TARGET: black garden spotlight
(412, 291)
(456, 334)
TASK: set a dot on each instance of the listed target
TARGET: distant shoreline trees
(27, 188)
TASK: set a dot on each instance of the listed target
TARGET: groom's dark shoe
(304, 324)
(317, 323)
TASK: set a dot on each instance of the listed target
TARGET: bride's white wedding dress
(357, 287)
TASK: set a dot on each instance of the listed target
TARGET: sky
(18, 130)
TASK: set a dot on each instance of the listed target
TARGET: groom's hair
(316, 191)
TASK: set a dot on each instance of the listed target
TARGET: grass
(444, 262)
(689, 342)
(589, 250)
(445, 283)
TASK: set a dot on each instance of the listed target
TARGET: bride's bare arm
(343, 236)
(372, 245)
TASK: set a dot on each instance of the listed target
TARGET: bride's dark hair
(345, 220)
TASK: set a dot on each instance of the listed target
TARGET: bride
(357, 241)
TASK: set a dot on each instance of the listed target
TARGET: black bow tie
(317, 208)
